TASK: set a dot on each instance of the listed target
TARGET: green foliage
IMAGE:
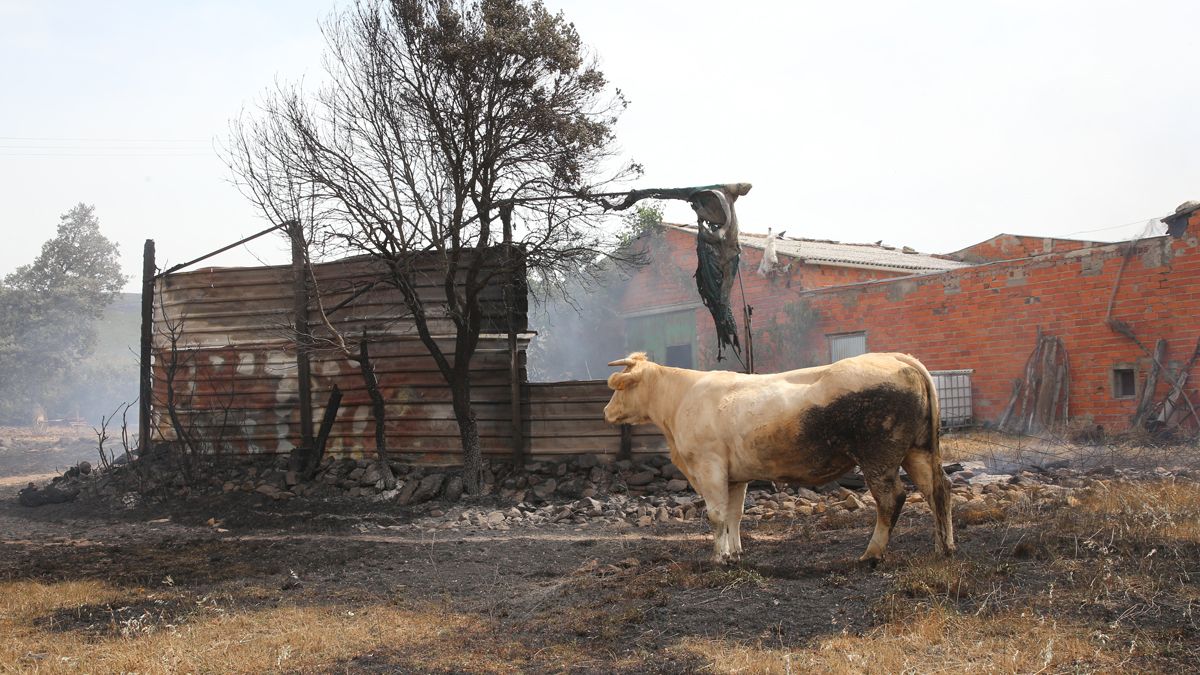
(48, 314)
(646, 219)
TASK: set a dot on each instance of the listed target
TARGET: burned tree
(438, 119)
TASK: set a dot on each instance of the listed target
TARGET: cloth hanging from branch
(710, 276)
(718, 250)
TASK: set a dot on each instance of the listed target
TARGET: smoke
(54, 391)
(28, 454)
(579, 330)
(107, 377)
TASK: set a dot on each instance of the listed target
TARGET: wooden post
(303, 338)
(626, 442)
(514, 354)
(749, 313)
(1146, 406)
(145, 374)
(331, 409)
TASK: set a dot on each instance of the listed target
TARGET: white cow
(876, 411)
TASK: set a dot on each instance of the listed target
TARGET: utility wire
(103, 140)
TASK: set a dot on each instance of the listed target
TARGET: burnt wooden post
(331, 409)
(145, 375)
(748, 311)
(511, 288)
(626, 442)
(303, 338)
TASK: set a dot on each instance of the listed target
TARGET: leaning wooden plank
(1147, 401)
(1012, 402)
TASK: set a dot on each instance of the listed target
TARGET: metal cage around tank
(954, 397)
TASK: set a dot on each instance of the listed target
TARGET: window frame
(830, 337)
(1115, 382)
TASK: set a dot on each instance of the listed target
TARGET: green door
(668, 338)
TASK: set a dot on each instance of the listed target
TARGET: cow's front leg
(733, 519)
(710, 480)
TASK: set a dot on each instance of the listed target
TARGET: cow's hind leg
(888, 492)
(931, 481)
(733, 519)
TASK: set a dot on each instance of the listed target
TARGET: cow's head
(630, 401)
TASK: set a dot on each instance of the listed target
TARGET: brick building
(979, 309)
(663, 314)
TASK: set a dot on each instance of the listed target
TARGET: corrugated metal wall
(236, 383)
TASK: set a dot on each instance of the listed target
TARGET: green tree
(646, 219)
(48, 312)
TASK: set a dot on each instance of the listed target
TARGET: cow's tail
(943, 525)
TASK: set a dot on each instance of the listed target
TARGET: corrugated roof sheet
(855, 255)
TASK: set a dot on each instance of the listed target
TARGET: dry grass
(1158, 512)
(250, 641)
(977, 514)
(1129, 450)
(934, 640)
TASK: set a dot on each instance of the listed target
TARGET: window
(846, 345)
(679, 356)
(666, 337)
(1124, 383)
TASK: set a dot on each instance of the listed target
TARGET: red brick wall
(1013, 246)
(986, 318)
(667, 281)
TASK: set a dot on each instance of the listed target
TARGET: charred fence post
(748, 313)
(303, 341)
(626, 451)
(146, 382)
(331, 409)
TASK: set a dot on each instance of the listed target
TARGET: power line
(106, 154)
(1140, 221)
(103, 140)
(96, 148)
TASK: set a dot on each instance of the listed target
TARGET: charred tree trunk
(465, 312)
(378, 412)
(468, 431)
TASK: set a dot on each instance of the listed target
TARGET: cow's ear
(619, 381)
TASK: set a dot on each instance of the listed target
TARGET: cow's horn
(621, 363)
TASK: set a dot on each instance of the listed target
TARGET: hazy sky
(928, 124)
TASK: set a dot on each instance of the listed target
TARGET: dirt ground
(1106, 579)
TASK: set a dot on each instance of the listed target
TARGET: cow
(876, 411)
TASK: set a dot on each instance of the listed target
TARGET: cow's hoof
(870, 562)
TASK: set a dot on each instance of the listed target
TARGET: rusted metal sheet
(235, 373)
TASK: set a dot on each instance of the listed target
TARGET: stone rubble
(579, 492)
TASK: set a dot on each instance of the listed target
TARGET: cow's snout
(610, 415)
(615, 412)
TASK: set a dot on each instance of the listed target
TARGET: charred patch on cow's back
(879, 419)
